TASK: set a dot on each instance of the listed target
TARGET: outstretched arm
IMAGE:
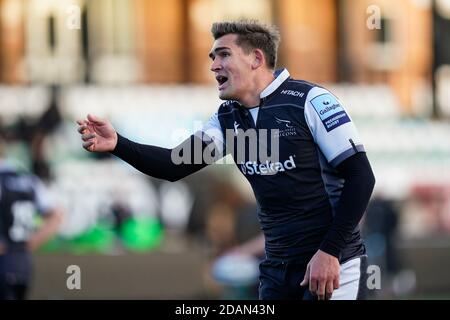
(190, 156)
(164, 163)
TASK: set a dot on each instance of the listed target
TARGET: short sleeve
(212, 131)
(331, 126)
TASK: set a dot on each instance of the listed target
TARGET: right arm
(169, 164)
(160, 162)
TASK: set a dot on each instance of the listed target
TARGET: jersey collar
(280, 76)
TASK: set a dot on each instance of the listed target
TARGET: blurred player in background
(310, 200)
(22, 195)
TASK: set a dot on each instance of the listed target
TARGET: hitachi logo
(267, 168)
(293, 93)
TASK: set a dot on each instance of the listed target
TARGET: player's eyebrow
(213, 53)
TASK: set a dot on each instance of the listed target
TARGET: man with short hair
(313, 188)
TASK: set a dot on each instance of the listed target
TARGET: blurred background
(144, 65)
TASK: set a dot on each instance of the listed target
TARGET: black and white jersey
(21, 197)
(298, 189)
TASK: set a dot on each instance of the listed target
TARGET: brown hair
(251, 34)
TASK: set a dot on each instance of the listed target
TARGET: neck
(252, 98)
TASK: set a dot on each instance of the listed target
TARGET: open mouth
(221, 80)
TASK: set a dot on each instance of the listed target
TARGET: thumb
(95, 119)
(306, 277)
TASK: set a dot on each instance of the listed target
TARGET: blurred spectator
(380, 229)
(220, 231)
(120, 212)
(231, 219)
(51, 118)
(34, 132)
(21, 195)
(236, 244)
(380, 226)
(45, 125)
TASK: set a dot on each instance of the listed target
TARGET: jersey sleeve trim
(346, 154)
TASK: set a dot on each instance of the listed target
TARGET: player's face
(231, 67)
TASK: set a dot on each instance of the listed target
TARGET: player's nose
(215, 65)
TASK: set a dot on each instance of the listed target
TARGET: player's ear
(258, 58)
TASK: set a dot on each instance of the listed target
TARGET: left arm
(358, 187)
(335, 134)
(323, 270)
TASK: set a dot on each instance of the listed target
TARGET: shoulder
(300, 85)
(294, 91)
(15, 173)
(21, 181)
(310, 89)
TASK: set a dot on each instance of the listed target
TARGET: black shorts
(15, 275)
(280, 280)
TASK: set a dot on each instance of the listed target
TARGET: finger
(82, 129)
(306, 277)
(89, 145)
(313, 285)
(87, 137)
(95, 119)
(329, 290)
(321, 289)
(336, 283)
(81, 122)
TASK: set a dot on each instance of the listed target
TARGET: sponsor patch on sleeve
(330, 111)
